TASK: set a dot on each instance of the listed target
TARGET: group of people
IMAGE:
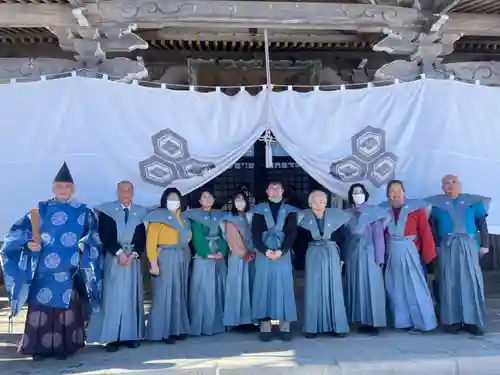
(214, 270)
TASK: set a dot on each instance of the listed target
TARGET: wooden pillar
(260, 172)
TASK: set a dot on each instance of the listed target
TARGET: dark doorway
(251, 175)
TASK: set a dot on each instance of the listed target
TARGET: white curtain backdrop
(104, 130)
(109, 131)
(429, 128)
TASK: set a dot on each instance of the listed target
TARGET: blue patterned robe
(71, 251)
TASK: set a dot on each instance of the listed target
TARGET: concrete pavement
(393, 352)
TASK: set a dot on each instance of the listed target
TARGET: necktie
(126, 210)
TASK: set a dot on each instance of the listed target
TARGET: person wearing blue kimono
(274, 229)
(237, 232)
(462, 236)
(207, 288)
(169, 256)
(51, 260)
(120, 321)
(408, 233)
(324, 307)
(364, 256)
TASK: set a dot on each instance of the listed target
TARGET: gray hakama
(121, 317)
(364, 281)
(238, 310)
(324, 308)
(409, 299)
(273, 294)
(169, 315)
(208, 278)
(461, 289)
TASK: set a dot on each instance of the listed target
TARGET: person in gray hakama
(168, 237)
(364, 253)
(410, 303)
(208, 279)
(324, 308)
(238, 311)
(274, 228)
(120, 320)
(460, 229)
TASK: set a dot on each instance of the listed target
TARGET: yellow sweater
(160, 234)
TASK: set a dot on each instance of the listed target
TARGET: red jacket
(418, 225)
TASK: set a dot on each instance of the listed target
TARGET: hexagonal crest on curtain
(171, 160)
(368, 143)
(369, 159)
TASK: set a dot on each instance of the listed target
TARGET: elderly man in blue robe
(120, 321)
(51, 260)
(459, 222)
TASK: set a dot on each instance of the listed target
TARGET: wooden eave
(477, 6)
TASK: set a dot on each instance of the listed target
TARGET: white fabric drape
(105, 132)
(104, 129)
(432, 127)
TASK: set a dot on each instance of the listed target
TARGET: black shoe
(452, 329)
(112, 347)
(38, 357)
(473, 330)
(340, 335)
(169, 341)
(61, 357)
(286, 336)
(132, 344)
(369, 330)
(310, 335)
(181, 337)
(266, 336)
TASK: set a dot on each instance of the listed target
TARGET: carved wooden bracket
(426, 48)
(121, 68)
(487, 72)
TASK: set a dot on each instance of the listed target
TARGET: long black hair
(234, 211)
(166, 193)
(351, 192)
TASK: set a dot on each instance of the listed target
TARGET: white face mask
(173, 205)
(358, 198)
(240, 205)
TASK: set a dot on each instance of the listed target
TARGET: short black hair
(275, 182)
(394, 182)
(166, 193)
(234, 211)
(351, 191)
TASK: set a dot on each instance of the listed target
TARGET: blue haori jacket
(70, 258)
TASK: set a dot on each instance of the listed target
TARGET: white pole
(268, 63)
(268, 138)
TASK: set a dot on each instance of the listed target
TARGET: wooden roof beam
(243, 14)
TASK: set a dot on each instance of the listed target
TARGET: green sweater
(199, 242)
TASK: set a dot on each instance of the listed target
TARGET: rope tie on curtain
(268, 139)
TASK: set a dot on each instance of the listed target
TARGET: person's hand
(33, 246)
(122, 259)
(154, 269)
(483, 251)
(270, 254)
(277, 254)
(249, 257)
(219, 256)
(130, 259)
